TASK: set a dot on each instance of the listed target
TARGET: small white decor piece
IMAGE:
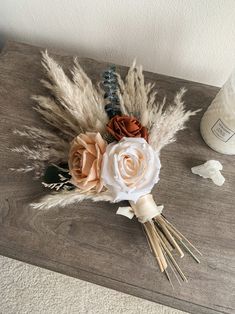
(210, 170)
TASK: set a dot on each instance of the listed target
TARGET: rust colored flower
(85, 158)
(126, 126)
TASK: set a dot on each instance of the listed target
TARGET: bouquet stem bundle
(104, 145)
(163, 238)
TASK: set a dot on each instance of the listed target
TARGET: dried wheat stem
(179, 238)
(162, 256)
(181, 235)
(190, 252)
(176, 265)
(162, 223)
(174, 262)
(158, 245)
(155, 246)
(169, 262)
(164, 239)
(150, 247)
(169, 278)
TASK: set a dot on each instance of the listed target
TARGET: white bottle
(218, 122)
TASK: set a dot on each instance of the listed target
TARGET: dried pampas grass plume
(167, 120)
(65, 198)
(162, 120)
(47, 147)
(76, 105)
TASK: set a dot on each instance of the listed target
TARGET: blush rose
(130, 169)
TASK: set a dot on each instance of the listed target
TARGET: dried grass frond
(57, 116)
(37, 167)
(166, 122)
(162, 120)
(46, 137)
(64, 198)
(78, 104)
(23, 169)
(136, 97)
(47, 148)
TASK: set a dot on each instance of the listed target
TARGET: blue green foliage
(110, 85)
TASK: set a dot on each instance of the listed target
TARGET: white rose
(130, 169)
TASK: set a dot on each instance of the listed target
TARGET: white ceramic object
(218, 122)
(210, 170)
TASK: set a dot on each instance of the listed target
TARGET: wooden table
(89, 241)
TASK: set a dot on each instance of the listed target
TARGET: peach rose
(130, 168)
(85, 158)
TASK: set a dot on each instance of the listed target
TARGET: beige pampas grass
(167, 120)
(78, 104)
(135, 96)
(65, 198)
(74, 106)
(162, 120)
(47, 148)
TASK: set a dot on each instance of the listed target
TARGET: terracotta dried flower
(126, 126)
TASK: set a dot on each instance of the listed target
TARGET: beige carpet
(30, 289)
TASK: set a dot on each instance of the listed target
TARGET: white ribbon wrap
(144, 209)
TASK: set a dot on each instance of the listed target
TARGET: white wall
(192, 39)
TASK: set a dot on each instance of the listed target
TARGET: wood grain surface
(89, 241)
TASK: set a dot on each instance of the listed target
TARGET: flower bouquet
(104, 144)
